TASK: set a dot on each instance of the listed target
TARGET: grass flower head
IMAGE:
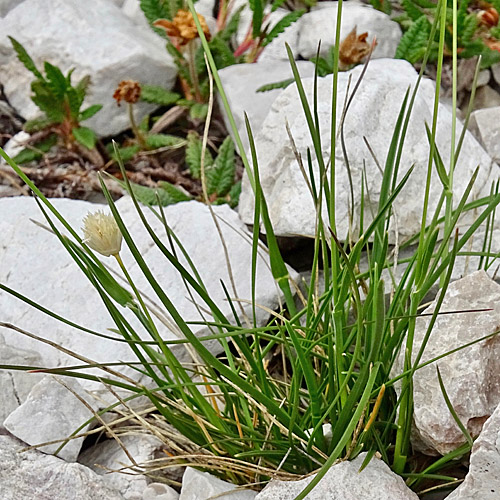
(101, 233)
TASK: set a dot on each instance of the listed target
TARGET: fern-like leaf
(155, 9)
(172, 193)
(158, 95)
(411, 8)
(469, 28)
(282, 25)
(414, 42)
(193, 155)
(156, 141)
(24, 57)
(220, 177)
(56, 81)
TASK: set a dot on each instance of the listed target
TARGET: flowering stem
(135, 129)
(192, 71)
(137, 293)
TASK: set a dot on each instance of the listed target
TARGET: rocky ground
(36, 408)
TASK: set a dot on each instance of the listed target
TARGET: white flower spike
(101, 233)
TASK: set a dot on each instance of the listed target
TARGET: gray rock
(484, 124)
(15, 385)
(486, 97)
(343, 481)
(7, 5)
(495, 69)
(198, 485)
(26, 251)
(471, 376)
(15, 145)
(240, 83)
(320, 24)
(10, 122)
(101, 42)
(109, 455)
(160, 491)
(483, 479)
(52, 412)
(32, 474)
(373, 114)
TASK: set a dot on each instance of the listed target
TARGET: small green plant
(477, 32)
(144, 139)
(261, 33)
(220, 173)
(61, 103)
(171, 20)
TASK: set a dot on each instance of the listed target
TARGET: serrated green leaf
(155, 9)
(24, 57)
(222, 53)
(198, 111)
(411, 8)
(158, 95)
(41, 147)
(282, 25)
(277, 85)
(174, 194)
(193, 155)
(234, 195)
(220, 177)
(85, 136)
(277, 4)
(414, 42)
(163, 140)
(75, 101)
(46, 101)
(56, 81)
(37, 124)
(167, 193)
(90, 112)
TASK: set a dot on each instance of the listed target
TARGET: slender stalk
(192, 71)
(135, 129)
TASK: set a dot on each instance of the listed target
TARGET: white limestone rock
(471, 376)
(34, 263)
(52, 411)
(484, 124)
(160, 491)
(109, 455)
(15, 385)
(198, 485)
(343, 481)
(320, 24)
(7, 5)
(101, 42)
(240, 83)
(372, 114)
(483, 479)
(32, 474)
(15, 145)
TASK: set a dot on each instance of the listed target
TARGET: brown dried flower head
(182, 29)
(128, 91)
(488, 17)
(354, 48)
